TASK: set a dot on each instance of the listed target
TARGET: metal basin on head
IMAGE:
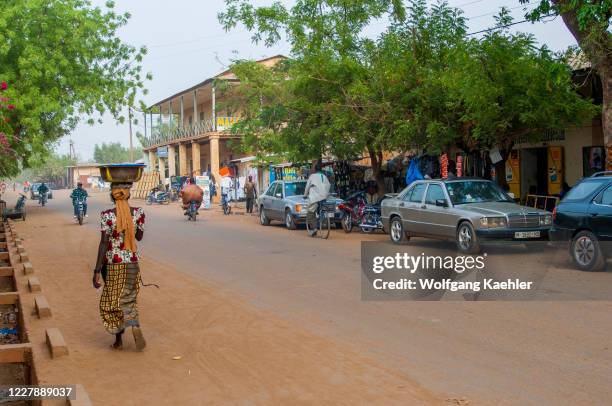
(121, 173)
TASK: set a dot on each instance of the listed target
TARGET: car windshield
(475, 191)
(295, 188)
(584, 189)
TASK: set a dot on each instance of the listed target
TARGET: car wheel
(586, 252)
(289, 222)
(396, 231)
(263, 219)
(467, 240)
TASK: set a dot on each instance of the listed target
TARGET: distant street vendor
(117, 264)
(191, 193)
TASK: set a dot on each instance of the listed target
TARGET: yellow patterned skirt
(118, 306)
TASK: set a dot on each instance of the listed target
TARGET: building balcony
(166, 135)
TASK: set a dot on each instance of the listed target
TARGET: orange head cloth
(125, 223)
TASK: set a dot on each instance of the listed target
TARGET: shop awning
(245, 159)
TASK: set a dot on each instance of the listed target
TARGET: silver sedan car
(465, 210)
(284, 201)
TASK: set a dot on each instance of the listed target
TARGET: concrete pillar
(195, 107)
(171, 160)
(214, 163)
(182, 113)
(152, 161)
(162, 169)
(183, 171)
(195, 158)
(214, 110)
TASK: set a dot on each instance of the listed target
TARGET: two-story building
(187, 132)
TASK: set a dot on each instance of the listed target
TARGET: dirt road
(262, 314)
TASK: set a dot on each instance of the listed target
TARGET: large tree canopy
(63, 61)
(589, 23)
(422, 82)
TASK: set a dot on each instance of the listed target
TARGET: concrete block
(24, 257)
(42, 307)
(55, 342)
(82, 398)
(28, 268)
(34, 284)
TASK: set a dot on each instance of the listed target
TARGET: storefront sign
(204, 183)
(162, 152)
(225, 123)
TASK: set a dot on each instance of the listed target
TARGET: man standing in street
(250, 193)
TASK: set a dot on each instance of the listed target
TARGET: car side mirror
(441, 203)
(279, 195)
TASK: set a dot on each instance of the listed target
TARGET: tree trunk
(376, 158)
(606, 114)
(602, 64)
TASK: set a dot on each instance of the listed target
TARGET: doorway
(534, 170)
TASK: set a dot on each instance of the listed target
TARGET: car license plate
(527, 234)
(330, 215)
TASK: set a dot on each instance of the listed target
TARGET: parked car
(34, 192)
(584, 218)
(284, 201)
(466, 210)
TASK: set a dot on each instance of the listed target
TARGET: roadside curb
(25, 353)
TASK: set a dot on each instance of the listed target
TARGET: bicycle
(324, 214)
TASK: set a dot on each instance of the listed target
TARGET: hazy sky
(186, 45)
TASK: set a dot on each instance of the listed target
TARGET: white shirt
(317, 187)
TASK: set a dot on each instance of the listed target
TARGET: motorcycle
(192, 211)
(80, 211)
(157, 196)
(356, 212)
(227, 209)
(42, 199)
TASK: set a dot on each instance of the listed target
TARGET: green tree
(421, 83)
(589, 23)
(511, 90)
(111, 153)
(303, 113)
(63, 60)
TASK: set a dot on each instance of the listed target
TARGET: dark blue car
(584, 218)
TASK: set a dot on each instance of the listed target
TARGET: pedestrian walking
(117, 264)
(250, 193)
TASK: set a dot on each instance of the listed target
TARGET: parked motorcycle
(80, 211)
(157, 196)
(192, 211)
(357, 212)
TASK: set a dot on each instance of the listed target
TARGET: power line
(507, 25)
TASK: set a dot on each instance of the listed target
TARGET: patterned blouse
(116, 253)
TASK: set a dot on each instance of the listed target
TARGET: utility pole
(131, 144)
(73, 156)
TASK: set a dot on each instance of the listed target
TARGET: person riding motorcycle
(79, 194)
(191, 193)
(42, 191)
(317, 190)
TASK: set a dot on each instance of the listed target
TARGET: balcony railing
(164, 135)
